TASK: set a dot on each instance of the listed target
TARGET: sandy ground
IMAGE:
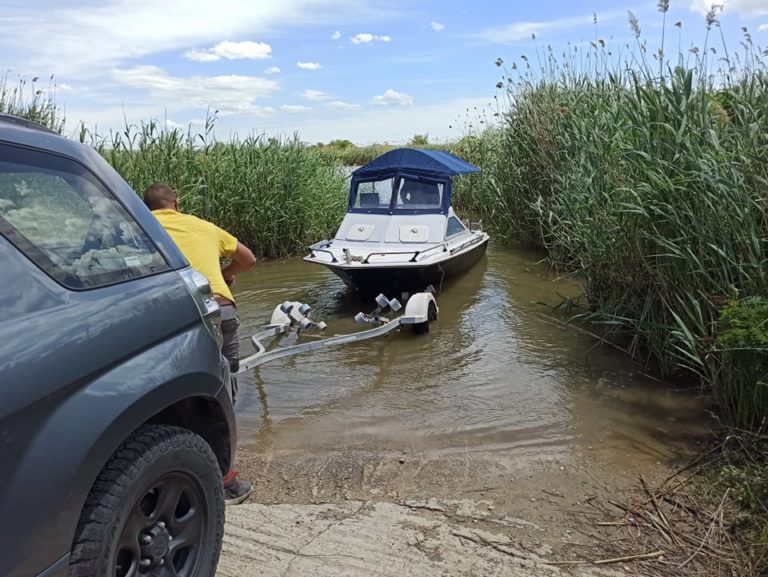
(366, 539)
(368, 514)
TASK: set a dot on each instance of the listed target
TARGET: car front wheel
(156, 509)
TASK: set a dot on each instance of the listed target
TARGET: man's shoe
(236, 490)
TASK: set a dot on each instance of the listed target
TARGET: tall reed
(648, 176)
(273, 194)
(32, 101)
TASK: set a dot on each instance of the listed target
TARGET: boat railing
(416, 253)
(470, 242)
(313, 250)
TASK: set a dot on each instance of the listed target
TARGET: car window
(63, 218)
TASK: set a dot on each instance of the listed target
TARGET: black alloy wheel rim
(164, 530)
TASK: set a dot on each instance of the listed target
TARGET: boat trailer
(420, 310)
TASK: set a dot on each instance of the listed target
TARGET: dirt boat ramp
(395, 515)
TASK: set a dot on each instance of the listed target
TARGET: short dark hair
(159, 195)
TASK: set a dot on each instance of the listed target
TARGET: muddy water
(497, 374)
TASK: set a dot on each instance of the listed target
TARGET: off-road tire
(155, 458)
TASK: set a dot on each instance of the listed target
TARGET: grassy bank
(275, 195)
(650, 179)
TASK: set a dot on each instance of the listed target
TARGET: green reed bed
(648, 177)
(275, 195)
(346, 153)
(30, 100)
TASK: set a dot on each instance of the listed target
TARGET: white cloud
(393, 98)
(172, 125)
(393, 124)
(314, 95)
(295, 109)
(128, 29)
(336, 35)
(341, 105)
(230, 94)
(523, 30)
(747, 8)
(246, 50)
(437, 27)
(272, 70)
(763, 28)
(201, 56)
(361, 126)
(309, 65)
(365, 38)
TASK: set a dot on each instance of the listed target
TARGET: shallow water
(498, 372)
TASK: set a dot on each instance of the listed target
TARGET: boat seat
(408, 191)
(369, 199)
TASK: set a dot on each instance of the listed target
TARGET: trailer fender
(420, 308)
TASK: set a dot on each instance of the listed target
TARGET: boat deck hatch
(414, 233)
(360, 232)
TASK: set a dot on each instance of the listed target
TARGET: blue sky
(363, 70)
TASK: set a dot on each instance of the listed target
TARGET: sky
(361, 70)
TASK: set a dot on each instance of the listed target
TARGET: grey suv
(115, 423)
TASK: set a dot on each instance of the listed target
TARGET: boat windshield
(408, 194)
(419, 194)
(376, 194)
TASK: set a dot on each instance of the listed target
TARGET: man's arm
(242, 259)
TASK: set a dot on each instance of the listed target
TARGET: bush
(741, 355)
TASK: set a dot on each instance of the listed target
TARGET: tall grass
(31, 101)
(273, 194)
(648, 176)
(345, 153)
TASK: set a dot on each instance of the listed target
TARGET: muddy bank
(477, 450)
(405, 513)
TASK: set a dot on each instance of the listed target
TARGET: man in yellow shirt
(205, 244)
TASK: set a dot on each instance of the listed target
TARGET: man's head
(160, 195)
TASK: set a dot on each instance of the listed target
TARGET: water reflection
(498, 372)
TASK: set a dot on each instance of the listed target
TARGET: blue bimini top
(417, 181)
(434, 163)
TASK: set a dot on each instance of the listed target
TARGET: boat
(401, 234)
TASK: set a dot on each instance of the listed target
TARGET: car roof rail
(25, 123)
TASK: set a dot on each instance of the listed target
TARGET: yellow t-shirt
(202, 242)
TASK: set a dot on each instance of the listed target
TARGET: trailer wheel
(423, 328)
